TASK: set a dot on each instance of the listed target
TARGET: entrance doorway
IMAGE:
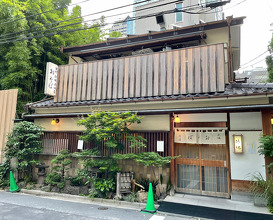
(202, 169)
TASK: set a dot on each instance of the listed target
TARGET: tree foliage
(24, 143)
(23, 63)
(111, 127)
(266, 148)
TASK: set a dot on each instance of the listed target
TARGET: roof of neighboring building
(134, 42)
(231, 90)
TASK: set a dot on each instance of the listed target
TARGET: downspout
(230, 70)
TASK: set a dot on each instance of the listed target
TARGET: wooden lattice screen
(183, 71)
(53, 142)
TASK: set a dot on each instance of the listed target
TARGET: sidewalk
(212, 207)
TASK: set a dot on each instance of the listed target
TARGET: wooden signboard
(238, 144)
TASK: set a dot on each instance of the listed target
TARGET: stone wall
(139, 170)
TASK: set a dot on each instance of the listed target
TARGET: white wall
(203, 117)
(248, 124)
(246, 164)
(148, 123)
(246, 121)
(153, 123)
(143, 26)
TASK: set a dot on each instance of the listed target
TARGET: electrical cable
(96, 26)
(254, 59)
(59, 22)
(11, 38)
(56, 9)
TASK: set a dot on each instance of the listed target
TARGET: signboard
(199, 136)
(160, 146)
(80, 145)
(51, 79)
(238, 144)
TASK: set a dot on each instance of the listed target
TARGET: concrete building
(125, 27)
(202, 12)
(255, 75)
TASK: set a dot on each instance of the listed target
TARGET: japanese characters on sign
(193, 136)
(238, 144)
(51, 79)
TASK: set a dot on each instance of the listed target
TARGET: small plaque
(160, 146)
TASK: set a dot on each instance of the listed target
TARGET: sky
(256, 31)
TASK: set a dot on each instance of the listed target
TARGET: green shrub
(132, 197)
(102, 187)
(53, 178)
(76, 181)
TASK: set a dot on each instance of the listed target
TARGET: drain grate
(102, 208)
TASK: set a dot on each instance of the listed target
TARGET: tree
(111, 128)
(23, 144)
(29, 38)
(269, 61)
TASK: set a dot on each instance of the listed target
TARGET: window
(178, 15)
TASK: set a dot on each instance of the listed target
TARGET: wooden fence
(8, 101)
(54, 142)
(182, 71)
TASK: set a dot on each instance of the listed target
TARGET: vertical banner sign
(51, 79)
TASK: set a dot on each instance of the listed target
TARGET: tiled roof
(233, 89)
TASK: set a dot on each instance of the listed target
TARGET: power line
(253, 64)
(79, 29)
(55, 28)
(254, 58)
(100, 12)
(228, 8)
(56, 9)
(96, 26)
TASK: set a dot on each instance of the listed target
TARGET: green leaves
(61, 163)
(110, 128)
(146, 158)
(23, 143)
(23, 63)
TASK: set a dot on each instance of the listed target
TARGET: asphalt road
(16, 206)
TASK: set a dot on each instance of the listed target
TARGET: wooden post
(267, 130)
(172, 165)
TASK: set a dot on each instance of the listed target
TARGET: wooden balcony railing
(183, 71)
(54, 142)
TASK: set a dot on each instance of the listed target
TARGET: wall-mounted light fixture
(176, 119)
(55, 121)
(272, 121)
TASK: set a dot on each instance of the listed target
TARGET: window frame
(176, 21)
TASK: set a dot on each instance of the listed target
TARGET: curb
(82, 199)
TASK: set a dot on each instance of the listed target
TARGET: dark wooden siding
(54, 142)
(183, 71)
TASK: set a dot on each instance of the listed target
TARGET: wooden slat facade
(183, 71)
(8, 101)
(54, 142)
